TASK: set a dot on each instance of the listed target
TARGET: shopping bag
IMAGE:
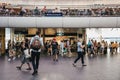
(27, 53)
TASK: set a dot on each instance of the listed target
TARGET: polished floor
(100, 67)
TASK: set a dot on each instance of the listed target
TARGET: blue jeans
(80, 55)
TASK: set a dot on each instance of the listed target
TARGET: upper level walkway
(60, 22)
(99, 17)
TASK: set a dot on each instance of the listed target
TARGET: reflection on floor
(102, 67)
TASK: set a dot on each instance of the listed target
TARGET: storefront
(49, 33)
(61, 34)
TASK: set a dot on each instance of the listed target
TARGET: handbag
(27, 53)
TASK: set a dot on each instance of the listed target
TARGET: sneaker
(56, 60)
(34, 73)
(28, 69)
(14, 58)
(53, 59)
(84, 65)
(74, 64)
(18, 56)
(9, 59)
(18, 67)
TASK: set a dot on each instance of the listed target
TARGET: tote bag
(27, 53)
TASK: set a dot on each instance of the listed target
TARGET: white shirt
(79, 49)
(62, 45)
(68, 43)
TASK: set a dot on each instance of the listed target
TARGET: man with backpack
(36, 43)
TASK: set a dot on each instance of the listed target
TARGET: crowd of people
(94, 47)
(64, 47)
(101, 11)
(28, 52)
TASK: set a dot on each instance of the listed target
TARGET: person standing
(84, 48)
(80, 49)
(36, 44)
(62, 48)
(55, 49)
(68, 48)
(0, 47)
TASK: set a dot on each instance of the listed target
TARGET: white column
(7, 36)
(12, 34)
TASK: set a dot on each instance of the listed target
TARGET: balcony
(76, 22)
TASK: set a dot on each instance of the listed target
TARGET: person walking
(36, 44)
(80, 49)
(24, 58)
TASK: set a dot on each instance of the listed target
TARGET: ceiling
(60, 3)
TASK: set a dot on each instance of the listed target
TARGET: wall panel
(49, 22)
(103, 22)
(45, 22)
(22, 22)
(4, 21)
(118, 22)
(76, 21)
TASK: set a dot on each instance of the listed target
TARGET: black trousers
(80, 55)
(35, 56)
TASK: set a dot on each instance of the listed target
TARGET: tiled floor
(101, 67)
